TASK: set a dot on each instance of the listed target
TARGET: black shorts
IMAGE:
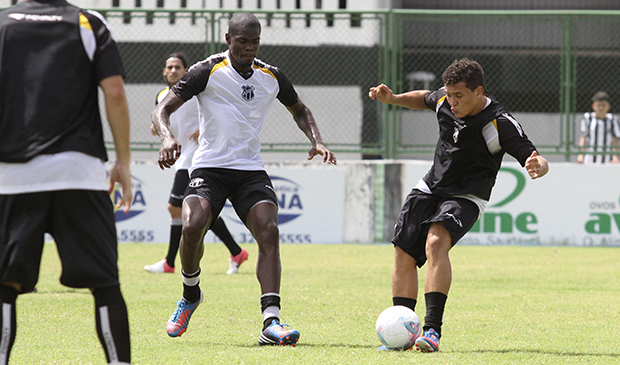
(82, 225)
(181, 180)
(458, 215)
(243, 188)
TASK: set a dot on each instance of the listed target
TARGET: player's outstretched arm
(536, 165)
(412, 99)
(170, 148)
(305, 121)
(117, 112)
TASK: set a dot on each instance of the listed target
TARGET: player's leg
(262, 221)
(112, 323)
(453, 219)
(436, 285)
(196, 219)
(404, 279)
(175, 202)
(8, 320)
(23, 222)
(84, 229)
(237, 254)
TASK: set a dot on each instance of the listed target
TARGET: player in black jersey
(53, 59)
(475, 131)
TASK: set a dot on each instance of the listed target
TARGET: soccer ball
(398, 327)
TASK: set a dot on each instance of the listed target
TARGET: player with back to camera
(600, 133)
(184, 125)
(235, 91)
(54, 56)
(475, 131)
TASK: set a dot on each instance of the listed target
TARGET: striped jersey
(183, 122)
(599, 135)
(469, 151)
(232, 109)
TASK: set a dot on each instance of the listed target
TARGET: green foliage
(507, 305)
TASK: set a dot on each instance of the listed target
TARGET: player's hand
(536, 165)
(382, 93)
(328, 156)
(120, 173)
(169, 152)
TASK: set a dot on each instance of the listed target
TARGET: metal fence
(544, 66)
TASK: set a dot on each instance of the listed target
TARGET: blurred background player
(184, 125)
(600, 133)
(54, 57)
(235, 92)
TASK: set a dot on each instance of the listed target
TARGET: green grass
(507, 305)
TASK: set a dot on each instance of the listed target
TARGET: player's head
(175, 67)
(464, 84)
(600, 103)
(243, 39)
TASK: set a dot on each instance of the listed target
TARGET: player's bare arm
(412, 99)
(170, 149)
(536, 165)
(117, 112)
(305, 121)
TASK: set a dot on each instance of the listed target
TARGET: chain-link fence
(544, 66)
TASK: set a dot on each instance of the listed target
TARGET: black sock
(8, 297)
(173, 246)
(435, 304)
(266, 301)
(191, 293)
(219, 229)
(407, 302)
(112, 324)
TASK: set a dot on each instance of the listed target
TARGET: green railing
(544, 66)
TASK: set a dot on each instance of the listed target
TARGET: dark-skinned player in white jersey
(234, 91)
(475, 131)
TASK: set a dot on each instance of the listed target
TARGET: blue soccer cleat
(177, 324)
(276, 334)
(428, 342)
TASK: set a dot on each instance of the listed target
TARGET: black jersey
(52, 57)
(469, 151)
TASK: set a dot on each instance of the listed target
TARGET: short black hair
(464, 70)
(178, 55)
(241, 21)
(600, 96)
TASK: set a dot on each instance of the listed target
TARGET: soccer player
(184, 125)
(234, 91)
(475, 131)
(54, 56)
(601, 132)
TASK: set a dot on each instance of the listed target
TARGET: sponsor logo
(496, 221)
(247, 92)
(138, 205)
(196, 182)
(36, 17)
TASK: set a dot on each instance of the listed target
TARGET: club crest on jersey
(248, 92)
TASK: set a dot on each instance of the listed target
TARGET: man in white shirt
(234, 91)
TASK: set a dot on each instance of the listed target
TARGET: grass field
(507, 305)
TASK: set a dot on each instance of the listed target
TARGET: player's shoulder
(209, 64)
(266, 68)
(161, 94)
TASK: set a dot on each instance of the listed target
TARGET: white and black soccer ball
(398, 327)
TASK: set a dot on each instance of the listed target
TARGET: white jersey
(232, 109)
(183, 122)
(600, 134)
